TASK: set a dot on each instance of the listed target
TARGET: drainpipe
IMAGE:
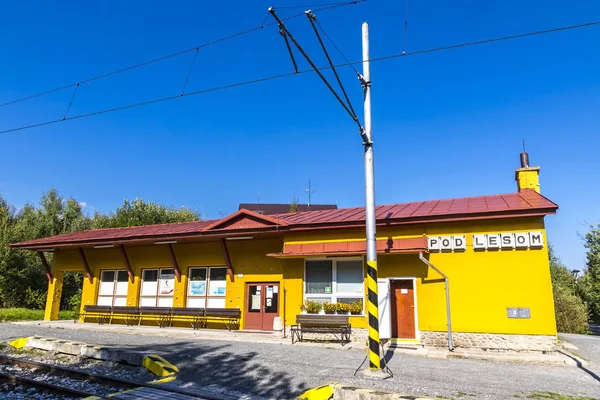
(426, 261)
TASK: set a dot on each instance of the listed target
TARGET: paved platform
(272, 337)
(271, 368)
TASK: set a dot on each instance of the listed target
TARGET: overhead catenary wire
(336, 47)
(305, 6)
(285, 75)
(405, 28)
(71, 101)
(187, 77)
(172, 55)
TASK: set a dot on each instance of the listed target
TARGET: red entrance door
(403, 309)
(262, 305)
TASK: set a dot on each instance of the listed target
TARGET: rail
(47, 387)
(97, 378)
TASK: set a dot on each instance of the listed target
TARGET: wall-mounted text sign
(447, 243)
(491, 241)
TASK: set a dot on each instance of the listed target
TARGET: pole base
(374, 373)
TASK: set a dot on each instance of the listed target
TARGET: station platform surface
(264, 365)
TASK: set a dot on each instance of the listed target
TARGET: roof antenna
(310, 192)
(524, 157)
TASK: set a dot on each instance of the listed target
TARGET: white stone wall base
(490, 342)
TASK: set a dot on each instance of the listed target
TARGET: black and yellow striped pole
(372, 304)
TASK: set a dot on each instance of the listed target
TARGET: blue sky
(446, 124)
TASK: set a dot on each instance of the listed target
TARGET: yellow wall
(248, 258)
(482, 284)
(528, 178)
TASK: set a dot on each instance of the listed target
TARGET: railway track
(129, 389)
(64, 392)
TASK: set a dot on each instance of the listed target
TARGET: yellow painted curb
(19, 343)
(163, 380)
(324, 392)
(159, 366)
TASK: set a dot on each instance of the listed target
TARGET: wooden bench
(102, 313)
(227, 316)
(131, 315)
(195, 316)
(162, 315)
(313, 323)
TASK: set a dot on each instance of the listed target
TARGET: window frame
(157, 295)
(114, 294)
(334, 295)
(206, 296)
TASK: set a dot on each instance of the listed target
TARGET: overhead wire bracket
(289, 48)
(317, 70)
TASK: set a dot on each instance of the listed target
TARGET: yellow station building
(489, 251)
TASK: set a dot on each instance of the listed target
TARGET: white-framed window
(113, 288)
(206, 287)
(157, 287)
(334, 281)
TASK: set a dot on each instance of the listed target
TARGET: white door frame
(416, 313)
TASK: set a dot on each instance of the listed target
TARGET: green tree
(570, 310)
(23, 282)
(294, 205)
(589, 284)
(138, 212)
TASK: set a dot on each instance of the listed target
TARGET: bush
(571, 312)
(356, 307)
(329, 308)
(312, 307)
(342, 308)
(35, 299)
(74, 302)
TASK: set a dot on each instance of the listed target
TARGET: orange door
(403, 309)
(262, 305)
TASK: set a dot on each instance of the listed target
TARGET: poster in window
(217, 288)
(198, 288)
(255, 302)
(167, 282)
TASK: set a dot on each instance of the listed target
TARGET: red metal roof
(524, 203)
(527, 201)
(383, 246)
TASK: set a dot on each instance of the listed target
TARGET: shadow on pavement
(213, 365)
(580, 365)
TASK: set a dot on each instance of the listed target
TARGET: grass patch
(24, 314)
(555, 396)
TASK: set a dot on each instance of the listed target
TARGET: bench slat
(155, 310)
(95, 309)
(187, 311)
(223, 312)
(125, 310)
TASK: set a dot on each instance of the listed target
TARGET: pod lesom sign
(490, 241)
